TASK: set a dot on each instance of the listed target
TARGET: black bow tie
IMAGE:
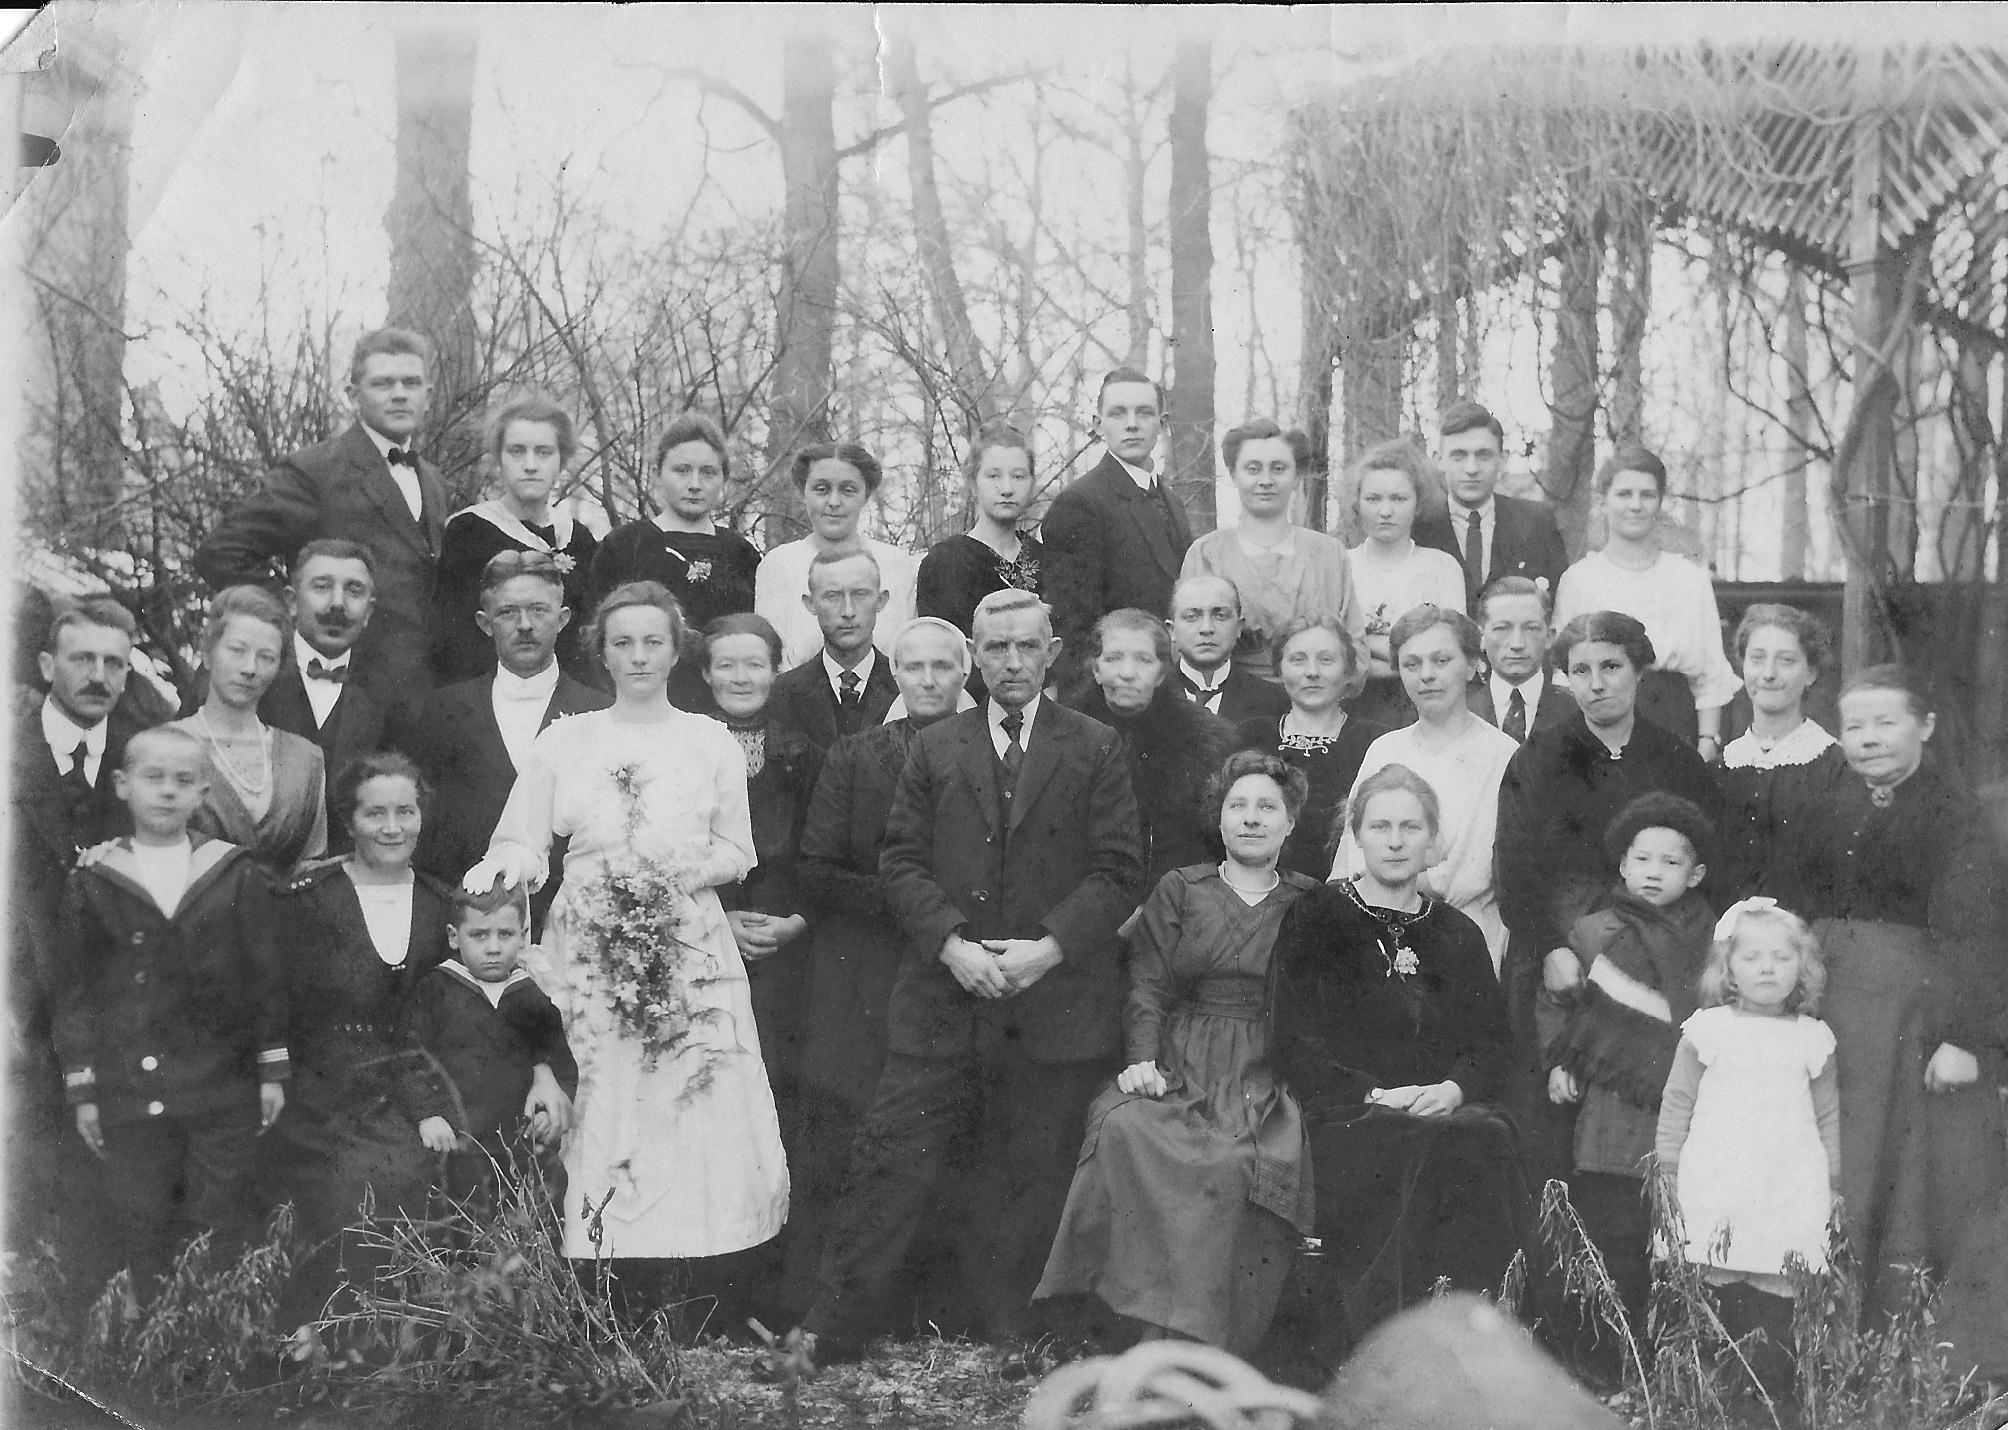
(320, 670)
(401, 457)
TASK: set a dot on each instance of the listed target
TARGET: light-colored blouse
(783, 579)
(1305, 577)
(1675, 602)
(1425, 576)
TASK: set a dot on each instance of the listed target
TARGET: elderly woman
(1191, 1189)
(1784, 761)
(1391, 486)
(1391, 1032)
(1322, 666)
(1173, 746)
(269, 794)
(531, 443)
(836, 482)
(1560, 792)
(1908, 889)
(710, 569)
(1691, 679)
(1283, 572)
(1463, 759)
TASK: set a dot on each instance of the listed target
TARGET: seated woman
(270, 792)
(1174, 746)
(531, 442)
(1393, 485)
(1192, 1187)
(1322, 666)
(836, 482)
(1785, 762)
(1391, 1032)
(365, 929)
(1283, 572)
(1691, 680)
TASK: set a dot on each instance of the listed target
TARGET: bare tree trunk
(1136, 166)
(1191, 209)
(1316, 367)
(805, 315)
(1962, 530)
(431, 226)
(1572, 367)
(1796, 531)
(1449, 381)
(1631, 305)
(974, 388)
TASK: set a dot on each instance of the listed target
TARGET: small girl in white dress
(1750, 1124)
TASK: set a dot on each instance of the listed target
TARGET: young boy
(170, 1012)
(1610, 1042)
(499, 1043)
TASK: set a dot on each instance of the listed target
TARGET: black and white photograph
(959, 717)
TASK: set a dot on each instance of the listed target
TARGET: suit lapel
(1042, 757)
(478, 720)
(373, 475)
(1145, 512)
(286, 707)
(979, 766)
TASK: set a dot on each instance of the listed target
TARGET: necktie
(318, 669)
(1014, 752)
(399, 457)
(1206, 695)
(78, 776)
(1164, 499)
(1515, 723)
(1474, 561)
(848, 702)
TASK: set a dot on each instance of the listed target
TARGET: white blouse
(1424, 576)
(783, 579)
(387, 915)
(1675, 601)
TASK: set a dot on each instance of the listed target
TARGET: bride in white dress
(675, 1151)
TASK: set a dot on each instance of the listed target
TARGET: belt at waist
(1229, 998)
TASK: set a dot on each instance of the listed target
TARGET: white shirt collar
(65, 734)
(1530, 691)
(995, 713)
(835, 672)
(539, 687)
(303, 652)
(1144, 477)
(1460, 513)
(383, 443)
(1225, 669)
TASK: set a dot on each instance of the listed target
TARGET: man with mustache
(65, 753)
(366, 485)
(469, 739)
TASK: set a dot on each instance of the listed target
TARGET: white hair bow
(1725, 927)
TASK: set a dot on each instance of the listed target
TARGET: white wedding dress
(682, 1158)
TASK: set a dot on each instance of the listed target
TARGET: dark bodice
(1348, 1021)
(777, 796)
(460, 651)
(958, 573)
(1173, 748)
(1759, 810)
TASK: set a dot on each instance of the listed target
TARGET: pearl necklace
(244, 785)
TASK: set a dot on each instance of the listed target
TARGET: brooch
(565, 562)
(1404, 962)
(700, 572)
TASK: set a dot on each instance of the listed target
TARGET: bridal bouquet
(636, 912)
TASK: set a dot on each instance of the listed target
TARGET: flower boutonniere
(1404, 962)
(700, 572)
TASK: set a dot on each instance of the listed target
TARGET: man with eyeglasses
(469, 739)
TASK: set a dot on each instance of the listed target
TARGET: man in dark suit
(847, 686)
(1205, 626)
(1117, 536)
(1517, 692)
(469, 738)
(65, 752)
(1490, 535)
(1010, 863)
(366, 485)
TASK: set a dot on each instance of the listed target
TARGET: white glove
(511, 863)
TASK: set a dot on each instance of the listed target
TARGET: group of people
(1100, 923)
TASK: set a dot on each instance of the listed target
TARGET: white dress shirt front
(323, 695)
(65, 734)
(835, 672)
(995, 713)
(1530, 691)
(1488, 531)
(405, 477)
(519, 708)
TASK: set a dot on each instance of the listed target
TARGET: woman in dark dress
(993, 555)
(1784, 762)
(366, 929)
(1174, 746)
(1392, 1035)
(858, 943)
(1192, 1187)
(531, 442)
(1561, 791)
(1322, 666)
(1908, 889)
(707, 568)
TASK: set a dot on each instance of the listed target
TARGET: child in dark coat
(499, 1045)
(169, 1012)
(1609, 1042)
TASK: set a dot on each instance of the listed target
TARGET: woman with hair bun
(676, 1152)
(836, 481)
